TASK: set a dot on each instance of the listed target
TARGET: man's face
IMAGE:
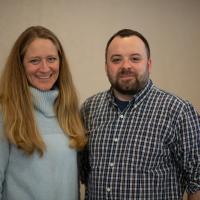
(127, 65)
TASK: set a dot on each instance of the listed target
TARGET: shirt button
(111, 164)
(108, 189)
(121, 116)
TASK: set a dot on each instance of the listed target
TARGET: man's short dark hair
(127, 33)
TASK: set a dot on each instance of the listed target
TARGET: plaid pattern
(151, 150)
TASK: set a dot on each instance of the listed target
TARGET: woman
(40, 125)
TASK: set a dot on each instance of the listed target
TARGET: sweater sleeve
(4, 156)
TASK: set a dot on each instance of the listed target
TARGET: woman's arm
(4, 157)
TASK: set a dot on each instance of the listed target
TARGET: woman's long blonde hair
(16, 101)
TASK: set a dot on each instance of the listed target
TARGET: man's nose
(126, 63)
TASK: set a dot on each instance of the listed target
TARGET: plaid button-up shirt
(149, 151)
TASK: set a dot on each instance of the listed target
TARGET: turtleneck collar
(43, 101)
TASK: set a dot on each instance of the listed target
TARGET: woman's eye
(35, 61)
(51, 59)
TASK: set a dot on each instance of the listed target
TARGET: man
(144, 143)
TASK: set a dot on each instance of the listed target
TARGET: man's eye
(135, 59)
(116, 60)
(51, 59)
(35, 61)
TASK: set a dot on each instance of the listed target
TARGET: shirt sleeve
(4, 156)
(188, 154)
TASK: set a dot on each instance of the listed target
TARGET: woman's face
(41, 62)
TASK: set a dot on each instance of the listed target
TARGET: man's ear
(106, 66)
(149, 65)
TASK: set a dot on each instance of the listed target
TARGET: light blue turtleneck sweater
(51, 177)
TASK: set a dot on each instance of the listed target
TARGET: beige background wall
(84, 26)
(171, 27)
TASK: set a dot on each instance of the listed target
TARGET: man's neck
(122, 97)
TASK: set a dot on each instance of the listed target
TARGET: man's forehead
(131, 43)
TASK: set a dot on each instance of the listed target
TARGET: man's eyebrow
(115, 55)
(119, 55)
(135, 54)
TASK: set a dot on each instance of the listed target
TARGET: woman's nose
(44, 65)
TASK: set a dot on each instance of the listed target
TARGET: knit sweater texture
(51, 177)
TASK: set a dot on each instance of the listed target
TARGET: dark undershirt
(121, 104)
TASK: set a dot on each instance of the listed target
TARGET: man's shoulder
(166, 95)
(96, 98)
(95, 102)
(171, 101)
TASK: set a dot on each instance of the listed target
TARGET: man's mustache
(124, 72)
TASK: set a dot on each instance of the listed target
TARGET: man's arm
(190, 123)
(194, 196)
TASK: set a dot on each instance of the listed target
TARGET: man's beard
(131, 86)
